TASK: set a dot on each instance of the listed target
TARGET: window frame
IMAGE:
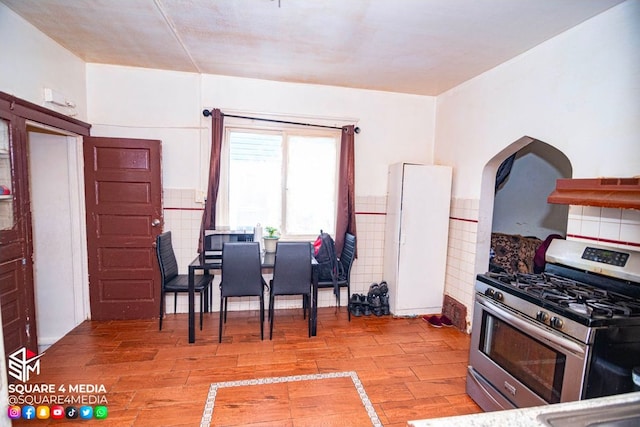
(222, 206)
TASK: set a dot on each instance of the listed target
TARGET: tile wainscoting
(608, 226)
(614, 227)
(461, 252)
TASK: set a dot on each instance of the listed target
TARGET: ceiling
(421, 47)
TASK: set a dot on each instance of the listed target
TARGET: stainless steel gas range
(570, 333)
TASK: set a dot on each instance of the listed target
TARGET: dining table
(209, 264)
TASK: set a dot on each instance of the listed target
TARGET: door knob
(155, 222)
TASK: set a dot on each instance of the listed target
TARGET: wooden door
(16, 268)
(124, 215)
(16, 242)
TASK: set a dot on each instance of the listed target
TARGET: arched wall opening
(518, 205)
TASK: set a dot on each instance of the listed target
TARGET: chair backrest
(348, 253)
(166, 257)
(292, 268)
(241, 269)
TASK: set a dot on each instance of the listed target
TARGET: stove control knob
(556, 322)
(542, 316)
(489, 292)
(498, 296)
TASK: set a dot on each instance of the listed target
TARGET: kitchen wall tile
(463, 226)
(630, 216)
(575, 212)
(574, 226)
(609, 230)
(590, 227)
(630, 233)
(592, 213)
(613, 226)
(611, 215)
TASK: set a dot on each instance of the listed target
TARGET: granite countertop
(525, 417)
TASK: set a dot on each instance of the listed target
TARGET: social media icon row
(57, 412)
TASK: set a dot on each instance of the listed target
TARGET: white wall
(31, 61)
(577, 92)
(168, 105)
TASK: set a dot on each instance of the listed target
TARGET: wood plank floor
(408, 369)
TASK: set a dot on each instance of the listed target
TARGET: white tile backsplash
(609, 226)
(182, 215)
(461, 252)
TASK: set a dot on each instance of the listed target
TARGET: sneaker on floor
(364, 304)
(433, 321)
(383, 288)
(354, 305)
(446, 321)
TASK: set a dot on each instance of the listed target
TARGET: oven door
(515, 362)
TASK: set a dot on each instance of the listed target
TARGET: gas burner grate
(573, 295)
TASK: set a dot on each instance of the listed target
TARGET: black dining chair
(241, 277)
(172, 282)
(291, 276)
(346, 259)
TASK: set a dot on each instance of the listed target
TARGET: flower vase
(270, 244)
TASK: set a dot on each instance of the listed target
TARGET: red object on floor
(433, 321)
(446, 321)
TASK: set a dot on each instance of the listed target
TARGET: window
(6, 196)
(285, 179)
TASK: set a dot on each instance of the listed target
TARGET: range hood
(605, 192)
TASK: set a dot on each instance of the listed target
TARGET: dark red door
(16, 266)
(124, 215)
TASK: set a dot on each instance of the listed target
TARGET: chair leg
(308, 301)
(211, 296)
(348, 300)
(175, 302)
(304, 306)
(226, 304)
(202, 294)
(161, 309)
(262, 316)
(221, 315)
(271, 302)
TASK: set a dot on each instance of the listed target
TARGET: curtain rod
(207, 113)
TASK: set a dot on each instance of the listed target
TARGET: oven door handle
(530, 328)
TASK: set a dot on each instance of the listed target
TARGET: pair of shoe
(438, 321)
(359, 305)
(378, 298)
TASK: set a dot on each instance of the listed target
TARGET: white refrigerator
(416, 236)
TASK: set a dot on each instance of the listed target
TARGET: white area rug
(207, 415)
